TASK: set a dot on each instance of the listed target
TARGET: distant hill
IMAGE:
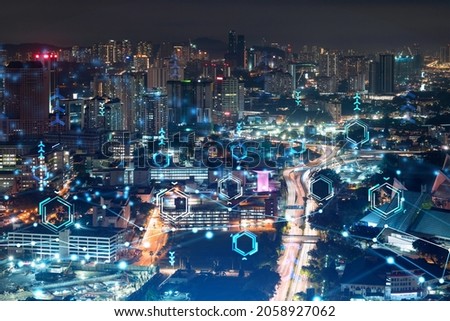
(214, 47)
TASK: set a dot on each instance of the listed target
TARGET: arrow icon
(172, 258)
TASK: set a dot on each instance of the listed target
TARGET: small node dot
(375, 240)
(386, 226)
(441, 281)
(141, 228)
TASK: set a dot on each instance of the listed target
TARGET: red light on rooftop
(37, 56)
(45, 56)
(219, 78)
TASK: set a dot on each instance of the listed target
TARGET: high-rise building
(180, 99)
(232, 42)
(27, 96)
(328, 64)
(374, 77)
(145, 48)
(444, 54)
(386, 74)
(241, 52)
(407, 69)
(155, 114)
(129, 88)
(141, 63)
(190, 103)
(232, 99)
(157, 76)
(74, 110)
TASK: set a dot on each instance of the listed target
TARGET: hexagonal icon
(357, 132)
(56, 213)
(165, 160)
(238, 151)
(230, 187)
(173, 204)
(321, 188)
(385, 200)
(244, 243)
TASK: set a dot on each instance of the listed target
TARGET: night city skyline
(225, 151)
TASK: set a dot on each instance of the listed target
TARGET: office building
(386, 72)
(27, 97)
(98, 244)
(232, 99)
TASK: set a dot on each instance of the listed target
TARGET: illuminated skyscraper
(381, 75)
(232, 99)
(387, 74)
(190, 103)
(155, 115)
(27, 96)
(241, 61)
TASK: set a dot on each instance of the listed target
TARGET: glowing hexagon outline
(160, 203)
(43, 213)
(166, 164)
(236, 237)
(361, 124)
(234, 179)
(330, 188)
(377, 210)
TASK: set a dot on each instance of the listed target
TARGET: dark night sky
(329, 23)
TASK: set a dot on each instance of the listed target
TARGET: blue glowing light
(123, 265)
(390, 260)
(209, 235)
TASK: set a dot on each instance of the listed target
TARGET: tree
(430, 250)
